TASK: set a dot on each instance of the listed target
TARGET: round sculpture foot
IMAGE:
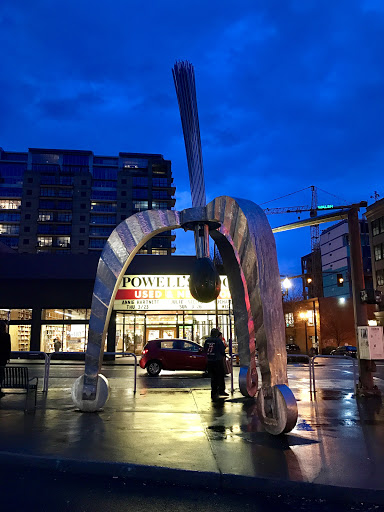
(248, 381)
(102, 394)
(277, 409)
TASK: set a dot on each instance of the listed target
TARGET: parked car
(346, 350)
(292, 348)
(172, 354)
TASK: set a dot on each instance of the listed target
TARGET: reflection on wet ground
(171, 422)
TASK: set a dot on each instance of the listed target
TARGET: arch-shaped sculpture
(247, 246)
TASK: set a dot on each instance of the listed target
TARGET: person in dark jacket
(215, 350)
(5, 351)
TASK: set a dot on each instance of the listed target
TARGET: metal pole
(306, 337)
(230, 343)
(366, 385)
(315, 325)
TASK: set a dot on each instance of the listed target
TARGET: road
(330, 374)
(46, 491)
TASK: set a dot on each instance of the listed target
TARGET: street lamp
(286, 284)
(305, 315)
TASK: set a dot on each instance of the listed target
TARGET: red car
(172, 354)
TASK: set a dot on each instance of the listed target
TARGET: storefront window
(64, 338)
(66, 314)
(20, 337)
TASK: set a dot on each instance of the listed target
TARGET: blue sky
(290, 93)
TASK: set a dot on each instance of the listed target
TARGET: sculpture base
(102, 394)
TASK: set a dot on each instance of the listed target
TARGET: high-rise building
(336, 261)
(69, 201)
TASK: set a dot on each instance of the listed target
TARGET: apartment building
(69, 201)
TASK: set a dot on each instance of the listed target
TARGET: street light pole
(367, 367)
(306, 337)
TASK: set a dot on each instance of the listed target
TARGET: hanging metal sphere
(204, 283)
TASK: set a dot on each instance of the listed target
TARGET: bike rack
(333, 357)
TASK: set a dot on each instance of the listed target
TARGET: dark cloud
(290, 93)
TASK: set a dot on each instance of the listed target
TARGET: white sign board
(164, 293)
(371, 342)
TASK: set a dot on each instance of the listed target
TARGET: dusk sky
(290, 93)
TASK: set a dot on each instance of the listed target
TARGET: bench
(16, 377)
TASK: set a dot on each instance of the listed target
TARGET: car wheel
(153, 368)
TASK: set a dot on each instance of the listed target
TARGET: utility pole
(366, 386)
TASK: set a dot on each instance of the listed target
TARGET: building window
(378, 249)
(100, 231)
(103, 219)
(25, 241)
(140, 205)
(160, 182)
(81, 242)
(83, 206)
(160, 194)
(104, 173)
(83, 194)
(10, 204)
(82, 218)
(9, 229)
(160, 252)
(27, 229)
(289, 320)
(44, 241)
(27, 216)
(97, 243)
(29, 192)
(123, 205)
(124, 182)
(159, 205)
(82, 230)
(103, 207)
(28, 204)
(140, 181)
(380, 277)
(30, 180)
(123, 193)
(140, 193)
(10, 217)
(83, 182)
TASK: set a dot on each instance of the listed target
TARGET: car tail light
(145, 351)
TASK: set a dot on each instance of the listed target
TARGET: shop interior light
(342, 300)
(65, 314)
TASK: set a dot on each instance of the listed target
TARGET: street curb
(227, 482)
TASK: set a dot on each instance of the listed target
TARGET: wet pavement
(171, 431)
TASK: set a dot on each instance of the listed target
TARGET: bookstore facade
(149, 304)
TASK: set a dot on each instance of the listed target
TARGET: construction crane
(315, 231)
(312, 209)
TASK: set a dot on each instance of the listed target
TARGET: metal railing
(333, 357)
(35, 353)
(126, 354)
(311, 378)
(48, 357)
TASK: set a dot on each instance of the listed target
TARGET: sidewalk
(179, 436)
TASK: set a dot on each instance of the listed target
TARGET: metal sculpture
(246, 244)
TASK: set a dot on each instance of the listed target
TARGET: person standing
(57, 344)
(5, 351)
(215, 350)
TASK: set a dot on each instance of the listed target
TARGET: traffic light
(340, 280)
